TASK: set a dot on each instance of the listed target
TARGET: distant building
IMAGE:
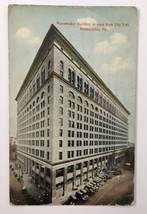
(13, 148)
(69, 123)
(131, 144)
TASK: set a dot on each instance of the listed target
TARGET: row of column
(28, 169)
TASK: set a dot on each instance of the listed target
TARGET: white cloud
(87, 20)
(112, 44)
(119, 64)
(118, 38)
(23, 33)
(26, 35)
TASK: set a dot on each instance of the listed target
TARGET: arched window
(92, 107)
(42, 75)
(71, 95)
(79, 100)
(61, 68)
(96, 109)
(42, 95)
(37, 100)
(86, 88)
(86, 103)
(79, 82)
(71, 76)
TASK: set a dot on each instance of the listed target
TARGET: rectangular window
(48, 121)
(48, 132)
(73, 114)
(48, 89)
(60, 132)
(60, 143)
(48, 143)
(48, 156)
(61, 111)
(48, 99)
(72, 133)
(68, 154)
(61, 122)
(48, 110)
(61, 88)
(60, 155)
(69, 103)
(69, 113)
(61, 100)
(37, 152)
(69, 132)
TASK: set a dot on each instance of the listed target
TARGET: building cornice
(55, 35)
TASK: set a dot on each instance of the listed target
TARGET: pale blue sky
(112, 53)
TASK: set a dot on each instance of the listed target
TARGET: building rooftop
(52, 35)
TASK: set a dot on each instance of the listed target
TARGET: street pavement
(118, 190)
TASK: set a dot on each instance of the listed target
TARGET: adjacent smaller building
(13, 148)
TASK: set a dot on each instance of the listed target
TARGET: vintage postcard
(72, 104)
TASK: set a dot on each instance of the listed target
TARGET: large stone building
(70, 124)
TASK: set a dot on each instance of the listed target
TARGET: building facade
(69, 124)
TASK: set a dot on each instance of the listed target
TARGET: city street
(118, 190)
(17, 197)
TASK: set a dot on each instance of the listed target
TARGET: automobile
(91, 182)
(107, 175)
(103, 174)
(90, 189)
(114, 172)
(102, 177)
(98, 183)
(99, 179)
(96, 188)
(84, 191)
(71, 200)
(80, 195)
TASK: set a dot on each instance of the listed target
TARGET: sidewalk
(27, 185)
(31, 188)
